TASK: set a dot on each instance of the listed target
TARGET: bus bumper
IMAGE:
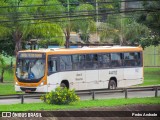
(31, 89)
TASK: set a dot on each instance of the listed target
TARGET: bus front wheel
(112, 85)
(62, 85)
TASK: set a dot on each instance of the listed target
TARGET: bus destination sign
(30, 55)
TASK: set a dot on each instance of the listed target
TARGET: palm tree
(125, 31)
(24, 18)
(85, 25)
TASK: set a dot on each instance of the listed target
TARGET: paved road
(87, 97)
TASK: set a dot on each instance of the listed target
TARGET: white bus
(79, 68)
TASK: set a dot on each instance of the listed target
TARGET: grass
(8, 75)
(151, 77)
(80, 104)
(7, 88)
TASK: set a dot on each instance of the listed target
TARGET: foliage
(85, 25)
(3, 67)
(126, 31)
(2, 62)
(108, 6)
(151, 19)
(60, 96)
(44, 43)
(6, 71)
(151, 40)
(8, 46)
(72, 4)
(23, 23)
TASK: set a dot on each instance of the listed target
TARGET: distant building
(130, 4)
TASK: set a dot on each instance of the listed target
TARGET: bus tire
(112, 85)
(64, 84)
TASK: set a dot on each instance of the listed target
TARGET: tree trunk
(67, 35)
(1, 77)
(122, 40)
(17, 37)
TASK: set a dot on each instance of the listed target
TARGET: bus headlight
(42, 83)
(16, 83)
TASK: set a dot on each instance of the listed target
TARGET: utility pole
(97, 21)
(67, 34)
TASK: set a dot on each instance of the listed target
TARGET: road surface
(88, 97)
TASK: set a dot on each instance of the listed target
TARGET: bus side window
(137, 58)
(65, 63)
(52, 65)
(91, 61)
(78, 62)
(62, 64)
(132, 59)
(104, 60)
(116, 59)
(82, 62)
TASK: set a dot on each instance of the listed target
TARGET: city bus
(107, 67)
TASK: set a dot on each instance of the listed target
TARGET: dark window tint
(78, 62)
(91, 61)
(65, 63)
(104, 60)
(116, 59)
(132, 59)
(52, 64)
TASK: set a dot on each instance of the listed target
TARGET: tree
(151, 18)
(104, 7)
(86, 24)
(22, 19)
(75, 18)
(124, 30)
(3, 66)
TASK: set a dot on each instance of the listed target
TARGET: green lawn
(151, 77)
(8, 75)
(7, 88)
(80, 104)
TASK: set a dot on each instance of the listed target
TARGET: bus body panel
(134, 76)
(76, 79)
(53, 81)
(92, 79)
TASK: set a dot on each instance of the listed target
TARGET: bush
(60, 96)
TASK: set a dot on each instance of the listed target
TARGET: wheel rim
(112, 85)
(62, 85)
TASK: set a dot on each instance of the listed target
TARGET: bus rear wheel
(112, 85)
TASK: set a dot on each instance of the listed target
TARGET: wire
(85, 14)
(47, 5)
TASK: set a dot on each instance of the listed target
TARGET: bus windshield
(31, 68)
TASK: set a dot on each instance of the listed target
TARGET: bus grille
(28, 89)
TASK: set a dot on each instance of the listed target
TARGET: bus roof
(94, 49)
